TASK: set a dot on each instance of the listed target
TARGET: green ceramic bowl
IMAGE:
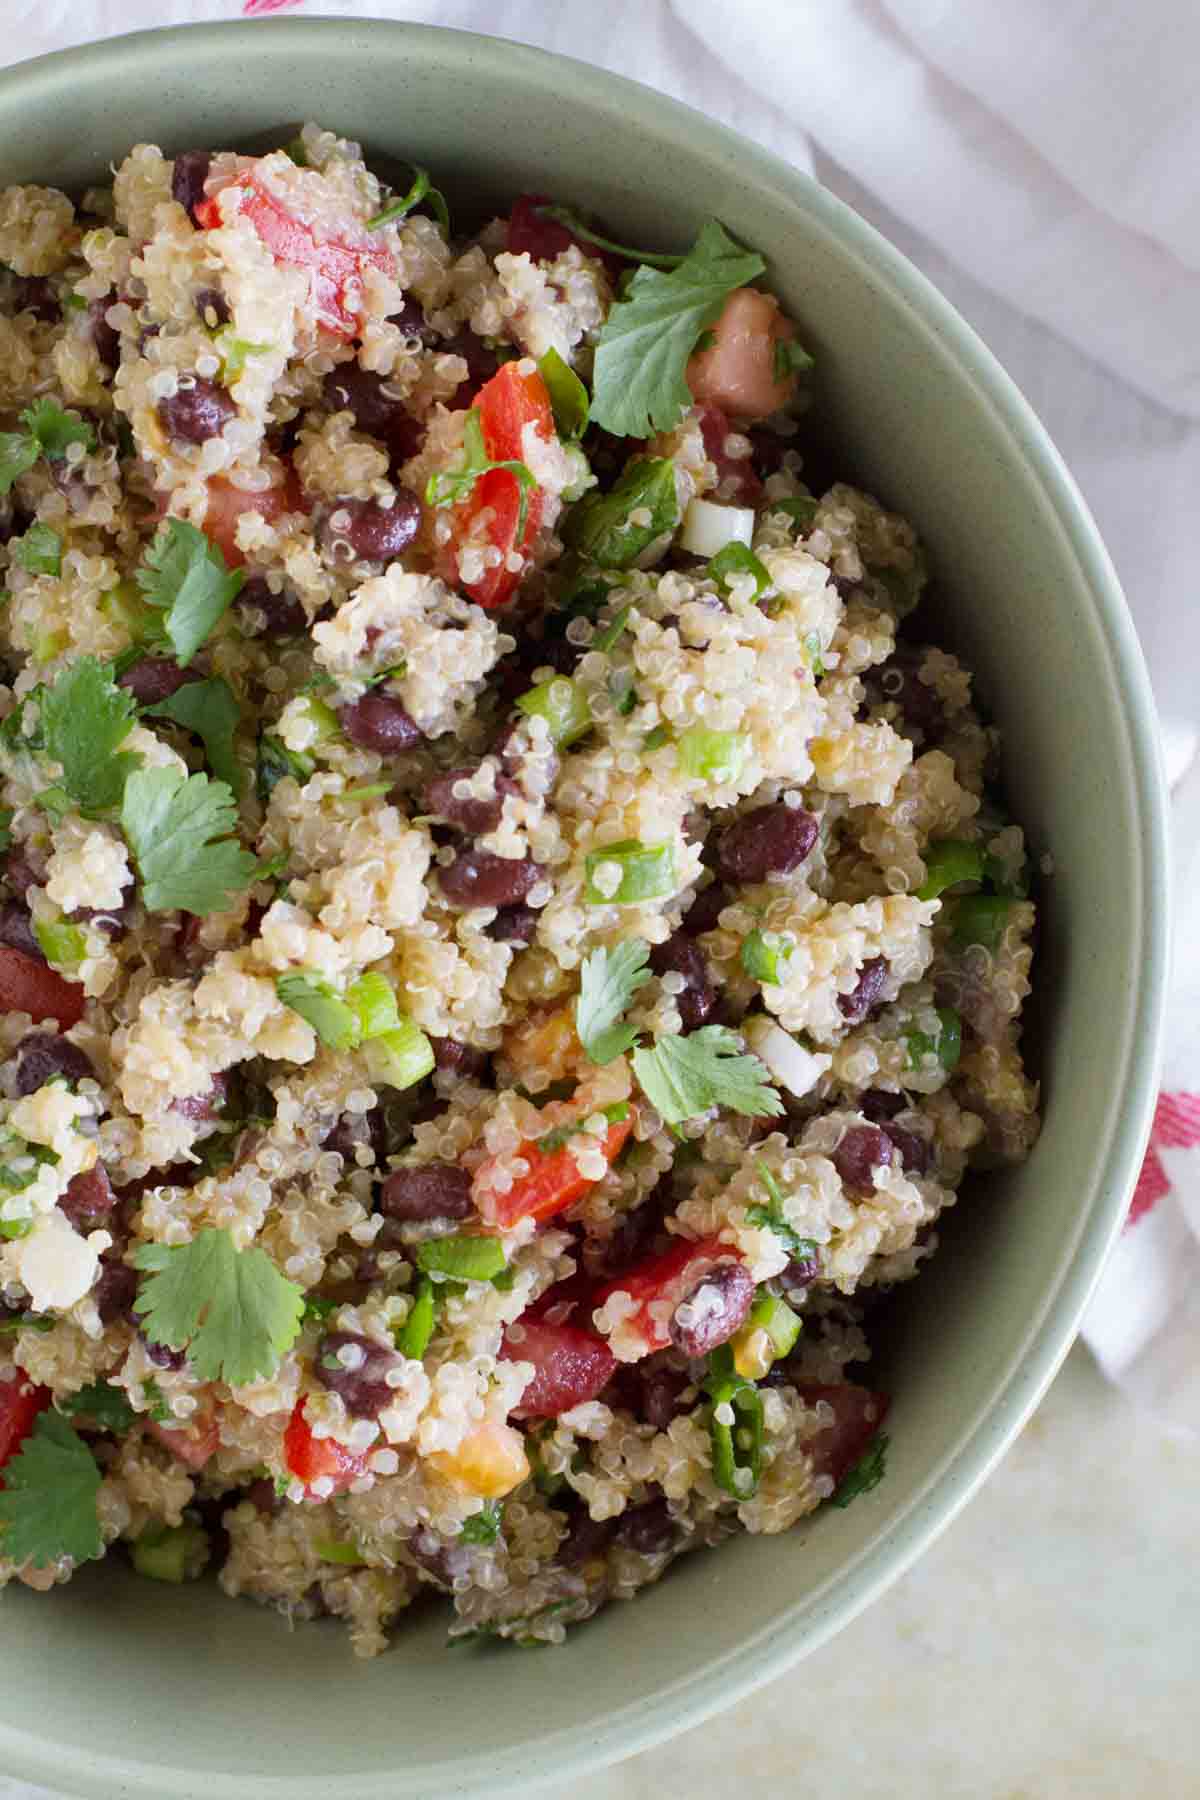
(115, 1685)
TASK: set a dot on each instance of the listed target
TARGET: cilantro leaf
(107, 1406)
(450, 486)
(210, 709)
(54, 430)
(230, 1309)
(186, 576)
(48, 1503)
(18, 453)
(178, 830)
(738, 559)
(608, 981)
(866, 1474)
(422, 189)
(638, 385)
(602, 526)
(568, 396)
(84, 716)
(39, 551)
(683, 1076)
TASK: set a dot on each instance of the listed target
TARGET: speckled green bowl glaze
(115, 1686)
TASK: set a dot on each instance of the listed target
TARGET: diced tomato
(20, 1403)
(738, 372)
(191, 1444)
(507, 404)
(569, 1366)
(531, 233)
(552, 1184)
(737, 474)
(312, 1458)
(227, 503)
(858, 1414)
(31, 987)
(661, 1283)
(335, 266)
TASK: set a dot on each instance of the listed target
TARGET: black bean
(188, 175)
(920, 705)
(705, 910)
(680, 955)
(586, 1539)
(768, 840)
(858, 1003)
(16, 929)
(267, 614)
(89, 1200)
(661, 1389)
(114, 1289)
(912, 1149)
(42, 1055)
(21, 871)
(412, 322)
(470, 815)
(442, 1559)
(481, 878)
(355, 1131)
(202, 1107)
(197, 412)
(877, 1104)
(454, 1058)
(106, 337)
(377, 412)
(380, 722)
(433, 1191)
(34, 294)
(713, 1309)
(263, 1497)
(374, 532)
(514, 925)
(212, 300)
(863, 1149)
(362, 1380)
(154, 678)
(162, 1355)
(801, 1271)
(481, 362)
(649, 1528)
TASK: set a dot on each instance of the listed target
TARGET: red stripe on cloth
(254, 9)
(1152, 1184)
(1176, 1121)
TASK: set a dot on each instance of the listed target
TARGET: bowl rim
(766, 1654)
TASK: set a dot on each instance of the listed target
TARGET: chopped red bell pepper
(314, 1459)
(20, 1403)
(34, 988)
(507, 404)
(569, 1366)
(227, 503)
(335, 265)
(738, 471)
(553, 1183)
(858, 1414)
(660, 1284)
(531, 233)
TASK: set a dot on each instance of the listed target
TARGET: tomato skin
(745, 486)
(33, 988)
(542, 239)
(193, 1447)
(552, 1184)
(310, 1458)
(665, 1278)
(570, 1366)
(335, 267)
(20, 1403)
(859, 1413)
(507, 404)
(227, 503)
(737, 373)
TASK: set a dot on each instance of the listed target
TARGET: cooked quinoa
(507, 942)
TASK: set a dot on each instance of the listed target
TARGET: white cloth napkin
(1038, 162)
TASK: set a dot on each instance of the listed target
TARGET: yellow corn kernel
(544, 1046)
(490, 1461)
(753, 1352)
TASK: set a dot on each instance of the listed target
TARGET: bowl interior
(183, 1693)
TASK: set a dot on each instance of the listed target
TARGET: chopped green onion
(174, 1553)
(736, 1447)
(763, 957)
(466, 1257)
(738, 559)
(568, 396)
(654, 740)
(333, 1550)
(801, 510)
(13, 1228)
(776, 1318)
(947, 1046)
(980, 919)
(412, 1338)
(813, 651)
(604, 640)
(61, 944)
(334, 1022)
(322, 719)
(564, 706)
(374, 1003)
(947, 862)
(716, 756)
(644, 872)
(422, 189)
(401, 1057)
(622, 692)
(235, 352)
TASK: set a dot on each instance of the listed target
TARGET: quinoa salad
(507, 942)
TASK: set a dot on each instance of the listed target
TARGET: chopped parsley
(771, 1218)
(49, 432)
(608, 981)
(568, 396)
(105, 1405)
(179, 831)
(450, 486)
(210, 710)
(866, 1474)
(48, 1502)
(84, 716)
(683, 1077)
(614, 529)
(738, 559)
(39, 551)
(483, 1527)
(643, 349)
(230, 1309)
(187, 579)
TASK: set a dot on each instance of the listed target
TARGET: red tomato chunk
(552, 1184)
(661, 1283)
(20, 1404)
(313, 1459)
(858, 1414)
(30, 987)
(569, 1366)
(507, 404)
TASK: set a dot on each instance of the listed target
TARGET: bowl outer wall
(197, 1697)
